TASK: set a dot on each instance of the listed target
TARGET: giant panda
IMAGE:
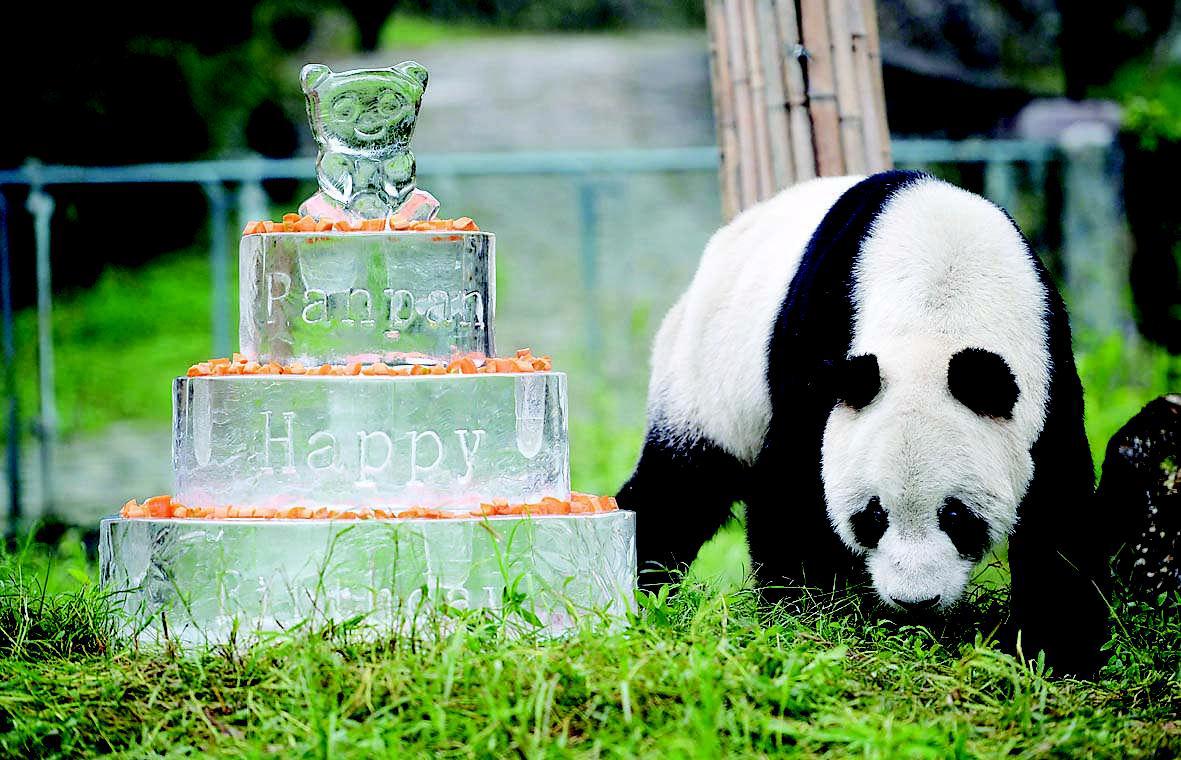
(881, 370)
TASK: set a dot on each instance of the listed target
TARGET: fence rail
(238, 183)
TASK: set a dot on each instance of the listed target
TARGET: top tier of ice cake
(341, 297)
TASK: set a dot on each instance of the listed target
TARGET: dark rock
(1141, 490)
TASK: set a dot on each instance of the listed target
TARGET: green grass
(119, 344)
(706, 674)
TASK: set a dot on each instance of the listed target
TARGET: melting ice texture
(336, 298)
(205, 582)
(447, 442)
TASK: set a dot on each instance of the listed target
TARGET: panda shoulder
(709, 359)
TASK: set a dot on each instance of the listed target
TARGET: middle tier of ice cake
(341, 297)
(447, 441)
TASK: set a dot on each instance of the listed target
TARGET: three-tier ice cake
(366, 445)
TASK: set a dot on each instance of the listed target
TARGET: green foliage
(119, 344)
(699, 673)
(407, 30)
(1154, 120)
(1151, 95)
(1119, 377)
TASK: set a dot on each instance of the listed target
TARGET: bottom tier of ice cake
(216, 581)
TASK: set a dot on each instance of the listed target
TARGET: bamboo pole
(719, 60)
(822, 95)
(848, 97)
(873, 51)
(864, 82)
(773, 59)
(798, 93)
(748, 188)
(758, 97)
(787, 29)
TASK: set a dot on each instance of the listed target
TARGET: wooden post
(775, 100)
(791, 48)
(822, 88)
(797, 88)
(724, 122)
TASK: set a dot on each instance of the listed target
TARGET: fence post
(1094, 239)
(1000, 185)
(40, 205)
(588, 193)
(219, 264)
(252, 203)
(12, 417)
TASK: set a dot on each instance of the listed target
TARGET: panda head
(926, 453)
(923, 484)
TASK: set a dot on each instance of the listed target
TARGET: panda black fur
(881, 369)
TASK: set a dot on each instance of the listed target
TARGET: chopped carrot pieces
(158, 506)
(295, 223)
(465, 364)
(378, 368)
(167, 507)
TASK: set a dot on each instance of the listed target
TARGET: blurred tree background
(146, 81)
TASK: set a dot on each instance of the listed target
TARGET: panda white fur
(881, 369)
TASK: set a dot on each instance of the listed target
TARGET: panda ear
(312, 75)
(983, 382)
(413, 69)
(855, 381)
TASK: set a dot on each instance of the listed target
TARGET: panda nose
(922, 605)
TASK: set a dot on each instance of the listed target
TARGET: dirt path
(557, 92)
(94, 474)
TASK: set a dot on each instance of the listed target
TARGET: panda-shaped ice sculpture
(881, 369)
(362, 122)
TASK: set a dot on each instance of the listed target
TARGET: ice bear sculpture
(362, 121)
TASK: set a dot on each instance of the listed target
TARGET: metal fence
(1095, 265)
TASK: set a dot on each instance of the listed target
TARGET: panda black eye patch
(869, 525)
(856, 380)
(966, 529)
(983, 382)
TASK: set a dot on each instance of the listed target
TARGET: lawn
(704, 674)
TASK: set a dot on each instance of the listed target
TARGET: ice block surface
(338, 297)
(446, 442)
(207, 578)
